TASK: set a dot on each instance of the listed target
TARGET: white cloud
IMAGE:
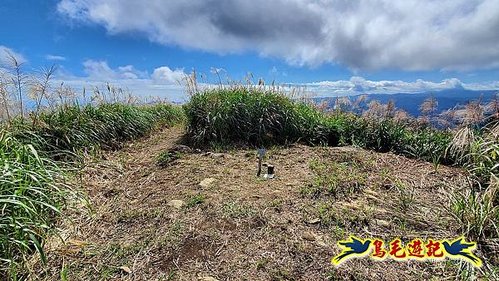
(55, 57)
(165, 82)
(164, 74)
(100, 70)
(358, 85)
(139, 87)
(361, 34)
(162, 83)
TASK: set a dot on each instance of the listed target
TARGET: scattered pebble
(181, 148)
(314, 221)
(382, 222)
(207, 182)
(177, 204)
(207, 278)
(309, 236)
(126, 269)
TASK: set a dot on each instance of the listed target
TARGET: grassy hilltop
(125, 190)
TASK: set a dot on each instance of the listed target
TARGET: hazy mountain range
(410, 102)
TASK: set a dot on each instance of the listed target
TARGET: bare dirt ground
(236, 226)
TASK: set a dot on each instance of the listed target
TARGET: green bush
(385, 135)
(380, 135)
(250, 116)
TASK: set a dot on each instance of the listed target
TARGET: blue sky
(333, 47)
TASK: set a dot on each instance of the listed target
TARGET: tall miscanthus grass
(475, 145)
(29, 94)
(32, 188)
(484, 152)
(428, 109)
(476, 208)
(477, 149)
(18, 78)
(257, 115)
(5, 102)
(71, 130)
(249, 115)
(32, 192)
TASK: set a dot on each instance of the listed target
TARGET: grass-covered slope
(256, 116)
(32, 190)
(74, 128)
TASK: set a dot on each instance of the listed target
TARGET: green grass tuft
(32, 193)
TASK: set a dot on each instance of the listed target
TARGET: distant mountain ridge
(410, 102)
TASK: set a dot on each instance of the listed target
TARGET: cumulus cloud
(164, 74)
(361, 34)
(165, 82)
(162, 83)
(359, 85)
(100, 70)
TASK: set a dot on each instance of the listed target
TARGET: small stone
(77, 243)
(181, 148)
(207, 278)
(321, 243)
(314, 221)
(309, 236)
(177, 204)
(126, 269)
(207, 182)
(382, 223)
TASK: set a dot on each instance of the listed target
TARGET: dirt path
(240, 227)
